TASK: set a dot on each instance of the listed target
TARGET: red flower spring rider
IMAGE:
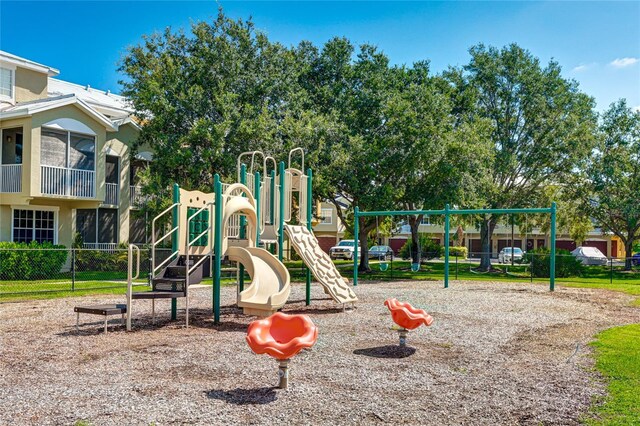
(282, 336)
(407, 317)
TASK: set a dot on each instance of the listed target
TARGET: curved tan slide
(306, 244)
(270, 281)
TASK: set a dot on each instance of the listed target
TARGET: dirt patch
(496, 354)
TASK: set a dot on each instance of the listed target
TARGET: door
(530, 244)
(566, 244)
(600, 245)
(476, 248)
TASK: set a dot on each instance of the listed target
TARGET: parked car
(589, 256)
(380, 252)
(507, 253)
(635, 259)
(344, 250)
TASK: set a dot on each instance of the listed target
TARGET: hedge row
(29, 261)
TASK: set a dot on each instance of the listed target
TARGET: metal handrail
(130, 279)
(266, 160)
(299, 149)
(154, 243)
(166, 235)
(253, 154)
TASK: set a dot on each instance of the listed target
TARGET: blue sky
(597, 43)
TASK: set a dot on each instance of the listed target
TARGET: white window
(327, 216)
(426, 220)
(34, 225)
(6, 83)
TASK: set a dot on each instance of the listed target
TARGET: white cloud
(584, 67)
(623, 62)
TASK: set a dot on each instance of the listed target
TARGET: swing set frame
(447, 212)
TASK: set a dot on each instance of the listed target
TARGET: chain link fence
(52, 270)
(61, 270)
(532, 266)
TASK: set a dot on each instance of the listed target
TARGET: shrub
(459, 251)
(429, 248)
(29, 261)
(95, 260)
(566, 264)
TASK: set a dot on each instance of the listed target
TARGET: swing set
(447, 213)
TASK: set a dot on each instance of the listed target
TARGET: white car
(590, 256)
(506, 253)
(344, 250)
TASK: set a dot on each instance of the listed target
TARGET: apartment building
(66, 163)
(609, 244)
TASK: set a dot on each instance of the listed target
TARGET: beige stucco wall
(27, 160)
(120, 142)
(30, 85)
(5, 223)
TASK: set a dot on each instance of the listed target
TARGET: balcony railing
(11, 178)
(100, 246)
(67, 182)
(111, 193)
(136, 198)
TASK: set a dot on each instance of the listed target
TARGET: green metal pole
(552, 269)
(356, 231)
(446, 246)
(243, 230)
(217, 247)
(309, 227)
(281, 207)
(256, 186)
(174, 239)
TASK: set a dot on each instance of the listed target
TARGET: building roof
(26, 63)
(107, 108)
(26, 109)
(108, 103)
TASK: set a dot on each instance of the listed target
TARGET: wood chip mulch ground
(497, 353)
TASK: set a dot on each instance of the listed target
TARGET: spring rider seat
(407, 317)
(282, 336)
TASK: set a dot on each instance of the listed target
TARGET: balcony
(111, 193)
(136, 198)
(110, 247)
(68, 182)
(10, 177)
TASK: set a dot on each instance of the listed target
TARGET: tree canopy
(611, 179)
(502, 131)
(542, 126)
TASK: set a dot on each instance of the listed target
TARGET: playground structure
(407, 317)
(282, 336)
(447, 212)
(241, 221)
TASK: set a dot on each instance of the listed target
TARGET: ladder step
(157, 295)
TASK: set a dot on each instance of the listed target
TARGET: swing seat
(415, 267)
(383, 266)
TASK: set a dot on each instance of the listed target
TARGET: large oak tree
(542, 126)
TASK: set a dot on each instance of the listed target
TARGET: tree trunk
(486, 230)
(628, 252)
(414, 224)
(363, 252)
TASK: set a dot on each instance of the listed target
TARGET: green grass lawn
(617, 353)
(96, 282)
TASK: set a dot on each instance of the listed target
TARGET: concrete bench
(104, 310)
